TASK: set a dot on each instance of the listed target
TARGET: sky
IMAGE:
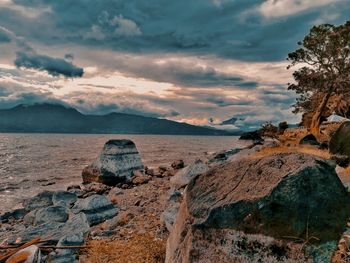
(197, 61)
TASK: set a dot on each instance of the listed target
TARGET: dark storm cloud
(4, 38)
(131, 103)
(231, 29)
(54, 66)
(186, 73)
(12, 95)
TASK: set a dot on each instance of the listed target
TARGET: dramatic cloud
(125, 27)
(230, 29)
(184, 60)
(54, 66)
(277, 8)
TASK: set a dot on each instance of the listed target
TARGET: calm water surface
(30, 163)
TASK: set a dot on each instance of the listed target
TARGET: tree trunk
(316, 118)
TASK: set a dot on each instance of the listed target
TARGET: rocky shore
(234, 206)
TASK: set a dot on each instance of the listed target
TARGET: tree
(324, 69)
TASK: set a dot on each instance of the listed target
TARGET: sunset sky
(184, 60)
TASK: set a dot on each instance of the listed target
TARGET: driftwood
(63, 247)
(15, 250)
(47, 247)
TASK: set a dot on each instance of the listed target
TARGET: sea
(31, 163)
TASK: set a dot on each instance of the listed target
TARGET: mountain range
(54, 118)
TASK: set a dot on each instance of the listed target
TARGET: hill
(52, 118)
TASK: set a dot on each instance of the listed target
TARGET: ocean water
(30, 163)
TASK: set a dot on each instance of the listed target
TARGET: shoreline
(139, 214)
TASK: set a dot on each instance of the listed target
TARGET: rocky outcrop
(53, 231)
(340, 141)
(253, 135)
(41, 200)
(66, 197)
(179, 164)
(222, 156)
(309, 139)
(57, 213)
(66, 255)
(276, 196)
(116, 163)
(97, 209)
(184, 176)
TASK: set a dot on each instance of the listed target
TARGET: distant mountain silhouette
(232, 121)
(51, 118)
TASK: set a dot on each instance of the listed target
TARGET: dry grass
(294, 149)
(139, 248)
(347, 170)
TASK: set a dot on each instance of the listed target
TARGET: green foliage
(268, 130)
(323, 61)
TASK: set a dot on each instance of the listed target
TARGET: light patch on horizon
(280, 8)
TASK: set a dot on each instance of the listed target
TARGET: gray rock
(54, 231)
(30, 254)
(51, 214)
(184, 176)
(340, 141)
(169, 215)
(15, 214)
(96, 207)
(116, 164)
(278, 196)
(55, 257)
(66, 255)
(67, 197)
(29, 218)
(221, 157)
(41, 200)
(179, 164)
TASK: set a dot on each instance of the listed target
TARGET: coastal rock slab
(64, 196)
(184, 176)
(116, 164)
(97, 208)
(56, 213)
(222, 156)
(53, 231)
(41, 200)
(15, 215)
(340, 141)
(66, 255)
(278, 195)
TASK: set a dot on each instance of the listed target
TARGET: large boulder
(41, 200)
(295, 195)
(184, 176)
(55, 213)
(96, 207)
(116, 164)
(66, 255)
(66, 197)
(340, 141)
(53, 231)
